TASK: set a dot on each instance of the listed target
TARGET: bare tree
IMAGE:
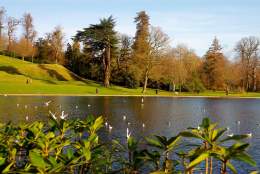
(159, 43)
(2, 19)
(11, 27)
(248, 49)
(57, 43)
(29, 33)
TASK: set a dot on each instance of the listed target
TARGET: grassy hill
(51, 79)
(56, 79)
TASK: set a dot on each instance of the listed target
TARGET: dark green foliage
(73, 146)
(73, 57)
(194, 85)
(43, 51)
(101, 40)
(125, 78)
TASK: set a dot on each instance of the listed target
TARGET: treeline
(101, 53)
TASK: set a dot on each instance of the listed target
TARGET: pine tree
(102, 40)
(213, 67)
(141, 46)
(72, 56)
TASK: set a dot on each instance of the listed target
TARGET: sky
(191, 22)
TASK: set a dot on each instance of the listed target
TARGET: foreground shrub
(74, 146)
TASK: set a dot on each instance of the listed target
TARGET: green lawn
(55, 79)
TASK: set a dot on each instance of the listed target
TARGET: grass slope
(56, 79)
(51, 79)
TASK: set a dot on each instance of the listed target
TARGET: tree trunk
(211, 166)
(9, 45)
(145, 80)
(224, 168)
(207, 166)
(254, 79)
(107, 62)
(207, 160)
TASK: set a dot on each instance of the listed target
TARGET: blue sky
(191, 22)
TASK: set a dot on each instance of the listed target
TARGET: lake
(155, 115)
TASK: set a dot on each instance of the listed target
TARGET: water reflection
(152, 115)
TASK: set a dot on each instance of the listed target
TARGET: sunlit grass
(55, 79)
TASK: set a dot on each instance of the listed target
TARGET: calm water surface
(161, 115)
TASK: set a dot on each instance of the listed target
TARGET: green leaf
(173, 142)
(162, 139)
(205, 123)
(98, 123)
(2, 161)
(50, 135)
(153, 142)
(70, 153)
(7, 169)
(53, 161)
(158, 172)
(132, 143)
(37, 160)
(219, 134)
(198, 160)
(235, 137)
(87, 154)
(254, 172)
(189, 135)
(232, 168)
(245, 158)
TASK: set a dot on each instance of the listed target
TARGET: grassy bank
(56, 80)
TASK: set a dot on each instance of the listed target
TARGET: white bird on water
(124, 117)
(110, 128)
(128, 123)
(27, 118)
(249, 135)
(47, 103)
(238, 122)
(142, 100)
(89, 105)
(53, 115)
(106, 124)
(128, 133)
(143, 125)
(76, 107)
(63, 116)
(231, 135)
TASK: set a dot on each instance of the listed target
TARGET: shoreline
(129, 95)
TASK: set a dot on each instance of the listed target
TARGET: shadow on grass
(53, 73)
(10, 70)
(58, 76)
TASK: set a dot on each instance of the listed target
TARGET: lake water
(160, 115)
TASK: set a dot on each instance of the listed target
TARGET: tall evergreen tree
(141, 46)
(213, 67)
(102, 40)
(72, 56)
